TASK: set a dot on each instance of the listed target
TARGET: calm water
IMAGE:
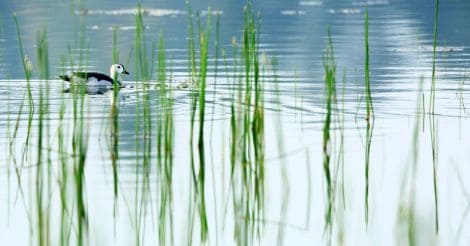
(295, 33)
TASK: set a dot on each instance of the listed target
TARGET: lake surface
(295, 198)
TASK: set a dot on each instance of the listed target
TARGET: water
(295, 32)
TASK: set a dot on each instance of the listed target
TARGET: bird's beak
(126, 72)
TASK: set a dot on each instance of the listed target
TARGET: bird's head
(117, 70)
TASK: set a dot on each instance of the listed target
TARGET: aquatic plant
(247, 155)
(432, 123)
(330, 97)
(370, 119)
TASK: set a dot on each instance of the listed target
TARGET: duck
(95, 79)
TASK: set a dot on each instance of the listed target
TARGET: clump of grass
(197, 103)
(165, 146)
(247, 135)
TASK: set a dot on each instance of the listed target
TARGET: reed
(330, 97)
(8, 135)
(43, 173)
(80, 137)
(27, 68)
(63, 173)
(114, 119)
(432, 123)
(370, 119)
(192, 100)
(197, 104)
(341, 158)
(143, 128)
(137, 75)
(165, 146)
(247, 135)
(204, 38)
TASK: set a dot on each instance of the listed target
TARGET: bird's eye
(119, 67)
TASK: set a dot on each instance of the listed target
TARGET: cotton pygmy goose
(98, 79)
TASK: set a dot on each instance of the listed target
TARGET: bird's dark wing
(98, 76)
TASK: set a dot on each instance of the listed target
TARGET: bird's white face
(118, 69)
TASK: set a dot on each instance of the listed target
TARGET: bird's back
(93, 75)
(91, 78)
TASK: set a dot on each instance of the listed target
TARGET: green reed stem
(114, 116)
(27, 67)
(369, 116)
(432, 120)
(42, 208)
(330, 87)
(204, 37)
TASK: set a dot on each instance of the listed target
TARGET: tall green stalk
(143, 128)
(432, 123)
(43, 173)
(27, 68)
(80, 143)
(165, 146)
(330, 97)
(204, 38)
(247, 154)
(114, 117)
(369, 116)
